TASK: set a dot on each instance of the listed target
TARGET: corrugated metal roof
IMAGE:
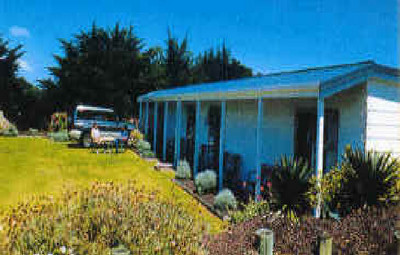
(297, 83)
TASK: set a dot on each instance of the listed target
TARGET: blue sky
(266, 35)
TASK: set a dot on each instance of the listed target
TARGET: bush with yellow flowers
(97, 219)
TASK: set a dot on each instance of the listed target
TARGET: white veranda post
(221, 146)
(165, 131)
(140, 116)
(259, 143)
(319, 164)
(196, 140)
(155, 127)
(178, 132)
(146, 120)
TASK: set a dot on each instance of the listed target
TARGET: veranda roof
(309, 82)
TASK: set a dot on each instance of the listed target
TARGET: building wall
(352, 117)
(278, 127)
(383, 117)
(277, 131)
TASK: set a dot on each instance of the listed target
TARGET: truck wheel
(86, 140)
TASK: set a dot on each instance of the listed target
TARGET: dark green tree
(178, 62)
(10, 89)
(218, 65)
(102, 67)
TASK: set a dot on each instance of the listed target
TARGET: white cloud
(25, 66)
(19, 31)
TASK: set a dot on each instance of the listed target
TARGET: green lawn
(40, 166)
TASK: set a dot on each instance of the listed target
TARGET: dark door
(214, 126)
(160, 129)
(305, 136)
(190, 134)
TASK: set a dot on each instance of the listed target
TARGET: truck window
(96, 115)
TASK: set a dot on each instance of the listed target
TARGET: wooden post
(266, 241)
(221, 145)
(140, 116)
(397, 233)
(258, 144)
(325, 244)
(155, 128)
(146, 120)
(196, 139)
(165, 131)
(320, 150)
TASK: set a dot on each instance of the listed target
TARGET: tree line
(107, 67)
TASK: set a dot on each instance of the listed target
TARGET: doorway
(188, 150)
(209, 158)
(306, 133)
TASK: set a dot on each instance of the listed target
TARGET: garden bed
(206, 199)
(361, 232)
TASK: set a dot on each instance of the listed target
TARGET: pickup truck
(85, 116)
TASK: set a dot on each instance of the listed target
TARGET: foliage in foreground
(249, 211)
(363, 179)
(290, 183)
(369, 231)
(93, 220)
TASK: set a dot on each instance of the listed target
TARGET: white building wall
(277, 131)
(352, 117)
(383, 117)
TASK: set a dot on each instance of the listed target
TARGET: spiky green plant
(290, 182)
(370, 178)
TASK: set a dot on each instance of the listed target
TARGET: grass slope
(39, 166)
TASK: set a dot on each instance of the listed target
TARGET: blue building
(313, 113)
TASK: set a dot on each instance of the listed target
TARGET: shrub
(330, 185)
(183, 170)
(147, 154)
(364, 179)
(10, 131)
(225, 200)
(33, 132)
(134, 138)
(98, 218)
(206, 182)
(368, 179)
(251, 210)
(143, 146)
(60, 136)
(144, 149)
(290, 184)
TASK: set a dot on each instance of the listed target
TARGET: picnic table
(109, 141)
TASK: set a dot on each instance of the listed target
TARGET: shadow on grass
(76, 146)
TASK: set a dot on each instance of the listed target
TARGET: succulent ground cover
(37, 166)
(368, 231)
(98, 218)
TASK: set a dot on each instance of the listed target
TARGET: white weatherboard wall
(383, 117)
(277, 131)
(351, 107)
